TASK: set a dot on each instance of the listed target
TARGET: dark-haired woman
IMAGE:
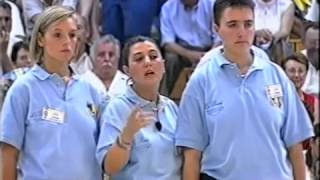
(137, 134)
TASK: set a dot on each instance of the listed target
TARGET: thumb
(135, 112)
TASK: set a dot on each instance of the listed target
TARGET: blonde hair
(48, 17)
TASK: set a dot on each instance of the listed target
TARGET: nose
(29, 61)
(107, 57)
(147, 61)
(296, 74)
(67, 39)
(241, 30)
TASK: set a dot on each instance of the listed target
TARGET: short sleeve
(111, 127)
(167, 31)
(191, 118)
(297, 125)
(14, 115)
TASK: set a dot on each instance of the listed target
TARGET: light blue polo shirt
(153, 155)
(242, 125)
(53, 125)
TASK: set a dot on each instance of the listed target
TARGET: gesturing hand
(4, 40)
(138, 119)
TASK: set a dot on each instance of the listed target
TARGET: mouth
(149, 73)
(241, 42)
(29, 64)
(66, 50)
(107, 64)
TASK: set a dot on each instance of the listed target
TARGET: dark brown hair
(129, 43)
(298, 57)
(220, 5)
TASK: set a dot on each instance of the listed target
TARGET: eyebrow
(137, 54)
(151, 50)
(58, 29)
(235, 21)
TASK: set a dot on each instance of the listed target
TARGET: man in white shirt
(33, 8)
(105, 75)
(274, 21)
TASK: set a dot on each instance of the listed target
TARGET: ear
(40, 41)
(126, 70)
(164, 66)
(215, 28)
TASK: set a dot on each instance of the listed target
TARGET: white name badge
(53, 115)
(275, 94)
(274, 91)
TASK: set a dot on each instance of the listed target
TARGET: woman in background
(296, 67)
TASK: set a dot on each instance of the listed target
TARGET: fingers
(143, 119)
(4, 35)
(267, 34)
(139, 119)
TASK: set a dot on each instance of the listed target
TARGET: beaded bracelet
(123, 145)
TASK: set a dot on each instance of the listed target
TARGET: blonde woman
(49, 117)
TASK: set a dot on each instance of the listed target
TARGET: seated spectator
(129, 18)
(186, 30)
(20, 55)
(105, 75)
(33, 8)
(274, 21)
(81, 62)
(296, 67)
(21, 60)
(5, 29)
(311, 44)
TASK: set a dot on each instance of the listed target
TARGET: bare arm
(287, 20)
(117, 157)
(9, 159)
(297, 159)
(85, 7)
(95, 20)
(191, 55)
(6, 63)
(119, 154)
(316, 111)
(191, 164)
